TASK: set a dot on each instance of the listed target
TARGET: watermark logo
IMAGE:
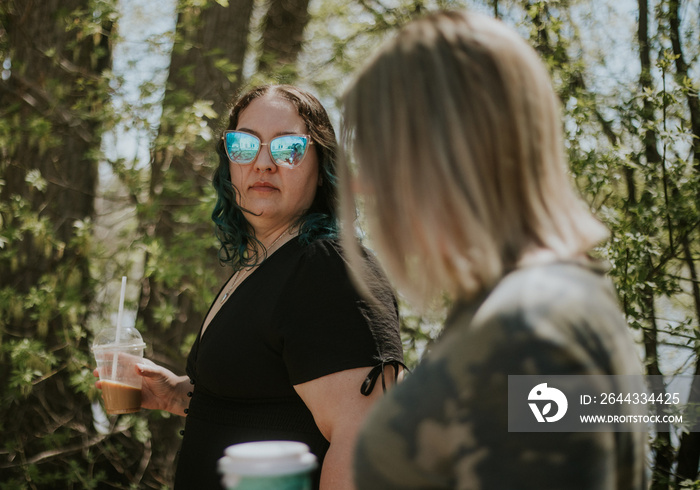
(601, 403)
(542, 392)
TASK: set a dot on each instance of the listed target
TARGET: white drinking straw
(119, 326)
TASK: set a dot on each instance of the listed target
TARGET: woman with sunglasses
(467, 193)
(288, 350)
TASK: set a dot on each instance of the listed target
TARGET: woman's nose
(263, 162)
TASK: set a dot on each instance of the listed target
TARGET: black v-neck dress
(296, 318)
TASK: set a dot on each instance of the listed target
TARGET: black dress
(296, 318)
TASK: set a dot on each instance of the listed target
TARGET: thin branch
(65, 115)
(54, 453)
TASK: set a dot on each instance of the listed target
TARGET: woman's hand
(161, 389)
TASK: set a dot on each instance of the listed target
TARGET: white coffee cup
(263, 465)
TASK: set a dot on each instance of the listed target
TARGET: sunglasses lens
(241, 148)
(288, 151)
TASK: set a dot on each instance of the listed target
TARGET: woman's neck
(542, 255)
(273, 238)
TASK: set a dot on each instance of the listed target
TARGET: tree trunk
(206, 65)
(663, 449)
(663, 459)
(179, 178)
(52, 101)
(282, 39)
(50, 75)
(682, 75)
(689, 445)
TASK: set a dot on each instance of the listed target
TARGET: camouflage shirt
(446, 425)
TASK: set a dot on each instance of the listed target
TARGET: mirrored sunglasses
(286, 151)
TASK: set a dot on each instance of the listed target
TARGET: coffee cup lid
(106, 338)
(267, 458)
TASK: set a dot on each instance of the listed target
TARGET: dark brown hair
(320, 220)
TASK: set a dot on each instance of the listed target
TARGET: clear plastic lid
(128, 337)
(267, 458)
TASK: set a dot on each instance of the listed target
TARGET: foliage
(630, 146)
(630, 140)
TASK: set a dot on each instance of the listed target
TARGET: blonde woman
(456, 132)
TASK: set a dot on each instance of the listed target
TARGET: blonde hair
(456, 132)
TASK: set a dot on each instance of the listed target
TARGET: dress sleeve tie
(376, 372)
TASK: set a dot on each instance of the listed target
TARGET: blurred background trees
(102, 177)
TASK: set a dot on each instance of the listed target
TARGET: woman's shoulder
(324, 252)
(320, 254)
(322, 262)
(318, 264)
(320, 247)
(567, 309)
(567, 288)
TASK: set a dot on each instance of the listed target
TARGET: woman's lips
(263, 187)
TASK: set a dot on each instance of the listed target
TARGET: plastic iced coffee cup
(267, 465)
(116, 365)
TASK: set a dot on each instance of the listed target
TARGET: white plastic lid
(128, 337)
(267, 458)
